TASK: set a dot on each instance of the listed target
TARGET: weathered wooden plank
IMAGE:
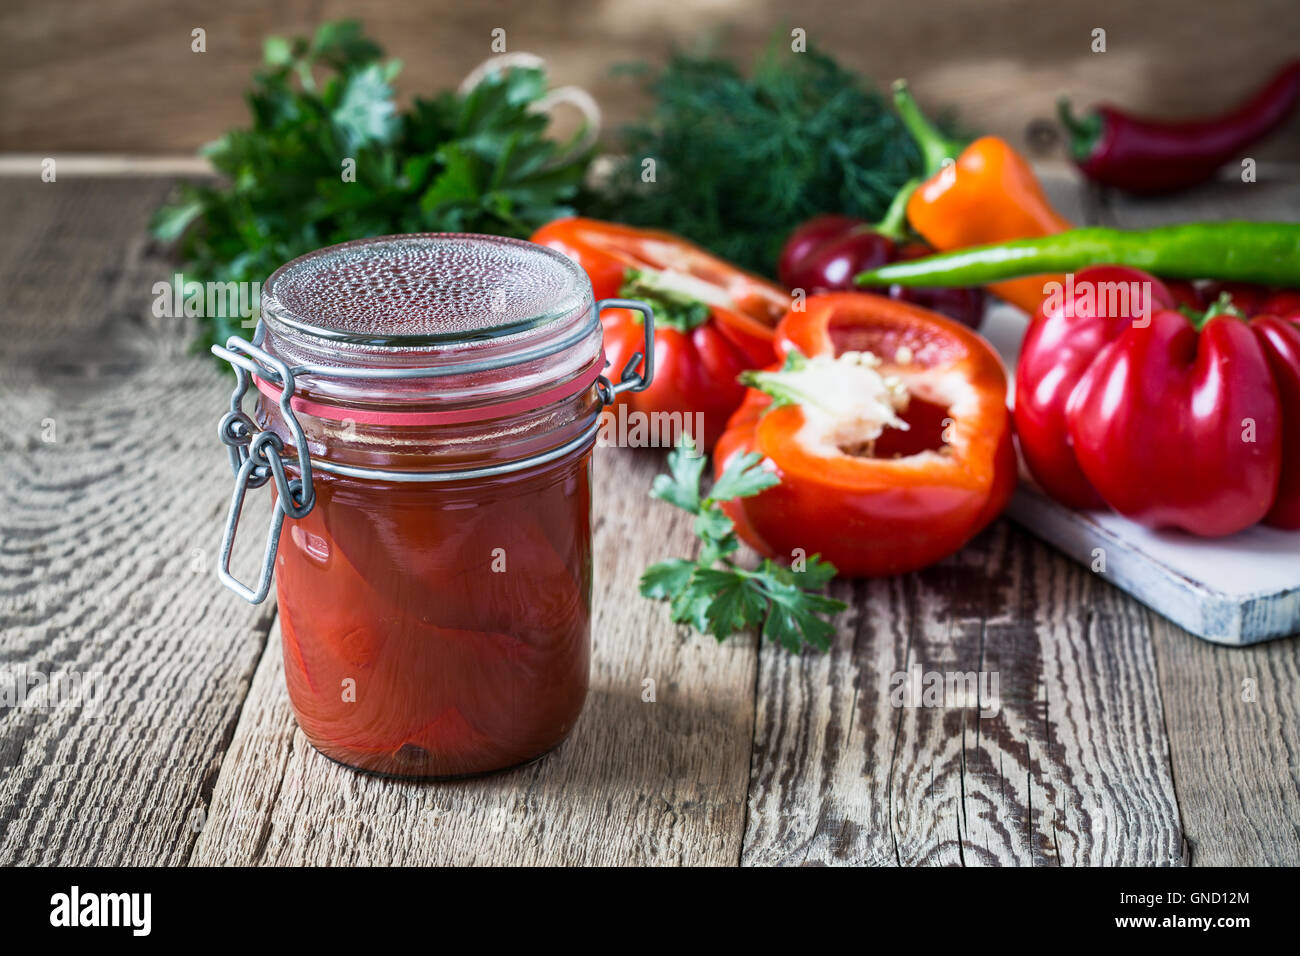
(1068, 765)
(824, 740)
(1069, 194)
(111, 497)
(637, 783)
(1275, 196)
(92, 81)
(99, 165)
(1231, 716)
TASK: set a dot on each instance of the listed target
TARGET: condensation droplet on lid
(431, 284)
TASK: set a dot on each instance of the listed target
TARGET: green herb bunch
(712, 593)
(741, 162)
(478, 162)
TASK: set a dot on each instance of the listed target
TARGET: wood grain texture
(82, 75)
(111, 497)
(1231, 715)
(1068, 765)
(1273, 197)
(638, 782)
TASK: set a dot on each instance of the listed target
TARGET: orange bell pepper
(984, 193)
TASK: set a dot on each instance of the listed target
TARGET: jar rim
(278, 313)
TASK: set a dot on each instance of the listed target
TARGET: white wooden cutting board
(1237, 590)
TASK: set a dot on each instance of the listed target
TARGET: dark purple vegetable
(825, 253)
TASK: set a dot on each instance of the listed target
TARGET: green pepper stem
(1084, 132)
(673, 308)
(1220, 306)
(894, 224)
(937, 150)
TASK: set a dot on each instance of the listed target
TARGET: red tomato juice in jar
(430, 458)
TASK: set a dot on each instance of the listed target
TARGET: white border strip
(105, 164)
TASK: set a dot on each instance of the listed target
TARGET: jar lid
(469, 325)
(425, 289)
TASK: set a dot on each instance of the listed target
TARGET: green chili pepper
(1266, 253)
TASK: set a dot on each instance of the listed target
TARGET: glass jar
(426, 411)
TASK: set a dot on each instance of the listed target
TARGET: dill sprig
(740, 162)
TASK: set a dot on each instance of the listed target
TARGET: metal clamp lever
(255, 458)
(630, 379)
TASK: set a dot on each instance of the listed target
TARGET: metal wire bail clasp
(255, 458)
(630, 379)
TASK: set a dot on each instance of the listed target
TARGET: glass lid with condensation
(425, 289)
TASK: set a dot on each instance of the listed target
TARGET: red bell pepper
(888, 427)
(1173, 418)
(712, 319)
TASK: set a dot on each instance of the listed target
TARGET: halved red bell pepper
(712, 319)
(1173, 419)
(939, 468)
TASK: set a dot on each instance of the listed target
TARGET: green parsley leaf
(713, 550)
(681, 487)
(366, 113)
(454, 184)
(711, 593)
(276, 51)
(170, 222)
(814, 575)
(690, 606)
(712, 524)
(792, 618)
(743, 478)
(666, 578)
(736, 601)
(341, 43)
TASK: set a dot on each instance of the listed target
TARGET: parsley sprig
(331, 155)
(714, 595)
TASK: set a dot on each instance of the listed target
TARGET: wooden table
(1120, 739)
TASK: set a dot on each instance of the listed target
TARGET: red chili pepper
(908, 493)
(713, 320)
(1145, 155)
(825, 253)
(1179, 421)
